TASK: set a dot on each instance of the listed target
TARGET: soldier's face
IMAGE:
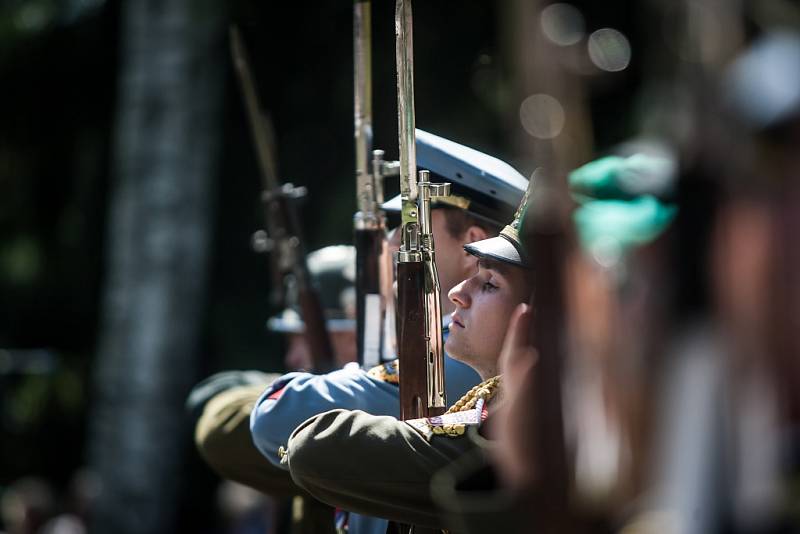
(484, 303)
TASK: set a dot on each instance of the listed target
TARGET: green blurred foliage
(20, 261)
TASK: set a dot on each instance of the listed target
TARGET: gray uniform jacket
(295, 397)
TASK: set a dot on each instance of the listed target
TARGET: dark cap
(482, 185)
(332, 271)
(506, 247)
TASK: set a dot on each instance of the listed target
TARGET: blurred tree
(166, 145)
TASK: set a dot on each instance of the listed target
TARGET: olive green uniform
(385, 472)
(472, 499)
(222, 436)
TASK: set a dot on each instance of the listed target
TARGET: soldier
(485, 188)
(378, 465)
(485, 193)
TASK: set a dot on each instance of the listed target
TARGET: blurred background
(129, 192)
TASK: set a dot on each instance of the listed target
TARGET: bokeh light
(609, 50)
(542, 116)
(33, 16)
(563, 24)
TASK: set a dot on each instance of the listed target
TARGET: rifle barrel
(260, 124)
(405, 99)
(362, 100)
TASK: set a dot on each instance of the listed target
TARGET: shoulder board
(387, 372)
(450, 424)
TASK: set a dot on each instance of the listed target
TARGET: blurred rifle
(419, 313)
(369, 221)
(549, 237)
(282, 238)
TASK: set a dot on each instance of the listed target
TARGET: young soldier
(485, 193)
(380, 466)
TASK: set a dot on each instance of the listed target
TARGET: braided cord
(485, 390)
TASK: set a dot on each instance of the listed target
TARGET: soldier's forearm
(296, 397)
(222, 436)
(373, 465)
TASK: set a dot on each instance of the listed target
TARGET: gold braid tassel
(486, 390)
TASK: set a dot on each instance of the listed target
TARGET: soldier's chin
(453, 348)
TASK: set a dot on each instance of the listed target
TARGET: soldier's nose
(459, 296)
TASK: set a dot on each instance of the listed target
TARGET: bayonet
(419, 317)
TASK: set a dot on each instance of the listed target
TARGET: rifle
(369, 221)
(549, 238)
(283, 237)
(419, 317)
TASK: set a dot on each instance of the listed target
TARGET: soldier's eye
(489, 287)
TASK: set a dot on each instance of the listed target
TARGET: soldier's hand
(514, 452)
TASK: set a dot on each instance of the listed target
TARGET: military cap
(610, 219)
(332, 271)
(617, 209)
(483, 185)
(506, 247)
(623, 178)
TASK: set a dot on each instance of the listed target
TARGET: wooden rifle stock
(411, 341)
(316, 329)
(551, 496)
(316, 333)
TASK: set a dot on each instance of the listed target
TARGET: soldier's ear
(474, 233)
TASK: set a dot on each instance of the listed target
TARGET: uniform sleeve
(472, 500)
(374, 465)
(222, 436)
(297, 396)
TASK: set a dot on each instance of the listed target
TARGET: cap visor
(497, 248)
(283, 326)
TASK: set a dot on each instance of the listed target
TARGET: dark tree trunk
(167, 139)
